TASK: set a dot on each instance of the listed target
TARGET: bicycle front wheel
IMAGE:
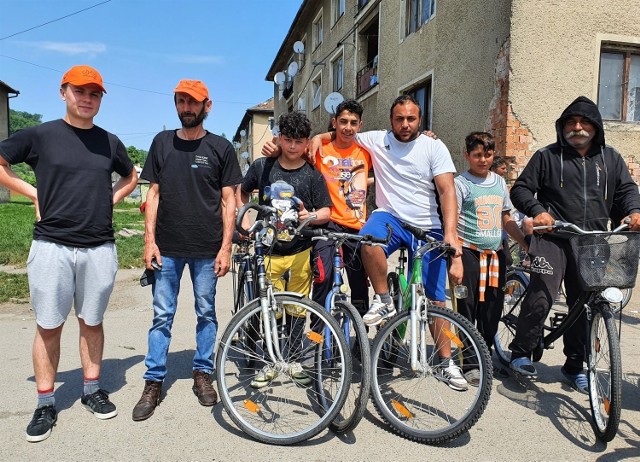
(605, 374)
(514, 290)
(358, 343)
(416, 400)
(294, 397)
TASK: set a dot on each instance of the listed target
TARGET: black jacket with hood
(586, 190)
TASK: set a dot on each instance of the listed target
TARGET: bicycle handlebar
(251, 206)
(423, 235)
(322, 233)
(558, 224)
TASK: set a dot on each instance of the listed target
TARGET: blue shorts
(434, 267)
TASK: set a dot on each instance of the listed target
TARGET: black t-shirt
(73, 169)
(191, 175)
(309, 186)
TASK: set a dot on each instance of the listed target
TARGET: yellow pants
(299, 278)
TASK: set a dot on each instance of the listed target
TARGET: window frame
(316, 86)
(414, 19)
(317, 25)
(337, 84)
(338, 10)
(426, 104)
(627, 51)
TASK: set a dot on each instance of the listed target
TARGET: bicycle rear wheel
(604, 373)
(358, 343)
(418, 404)
(514, 290)
(390, 349)
(285, 408)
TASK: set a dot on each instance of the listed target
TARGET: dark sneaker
(203, 389)
(41, 424)
(148, 401)
(99, 404)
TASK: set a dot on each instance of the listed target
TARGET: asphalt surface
(540, 419)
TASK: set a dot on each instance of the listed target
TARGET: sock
(386, 298)
(46, 398)
(91, 385)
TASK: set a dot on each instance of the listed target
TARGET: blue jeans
(165, 301)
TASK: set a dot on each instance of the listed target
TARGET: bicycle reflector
(315, 337)
(453, 337)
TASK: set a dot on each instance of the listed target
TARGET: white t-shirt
(404, 175)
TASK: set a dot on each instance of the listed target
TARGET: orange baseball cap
(195, 88)
(83, 75)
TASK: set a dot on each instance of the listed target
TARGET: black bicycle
(607, 262)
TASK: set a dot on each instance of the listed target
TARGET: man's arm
(223, 259)
(151, 249)
(10, 180)
(315, 145)
(124, 186)
(449, 205)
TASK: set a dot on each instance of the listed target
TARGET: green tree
(19, 120)
(137, 156)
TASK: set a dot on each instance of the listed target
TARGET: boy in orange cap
(73, 258)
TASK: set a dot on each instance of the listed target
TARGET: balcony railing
(367, 77)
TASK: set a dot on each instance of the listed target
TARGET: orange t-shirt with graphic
(345, 172)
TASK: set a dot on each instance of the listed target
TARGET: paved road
(525, 420)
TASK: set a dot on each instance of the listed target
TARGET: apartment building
(254, 130)
(6, 92)
(506, 66)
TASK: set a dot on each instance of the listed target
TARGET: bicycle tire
(284, 411)
(390, 349)
(358, 343)
(250, 331)
(514, 289)
(418, 405)
(604, 374)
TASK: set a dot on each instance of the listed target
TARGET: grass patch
(16, 232)
(14, 288)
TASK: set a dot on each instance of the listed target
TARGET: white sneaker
(264, 377)
(449, 373)
(378, 312)
(299, 375)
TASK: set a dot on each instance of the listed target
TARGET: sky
(142, 48)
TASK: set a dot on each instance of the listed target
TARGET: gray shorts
(61, 276)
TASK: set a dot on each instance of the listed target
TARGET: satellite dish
(279, 78)
(245, 155)
(331, 101)
(298, 47)
(293, 69)
(243, 133)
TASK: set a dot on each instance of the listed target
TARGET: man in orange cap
(192, 173)
(73, 258)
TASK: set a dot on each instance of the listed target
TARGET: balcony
(367, 77)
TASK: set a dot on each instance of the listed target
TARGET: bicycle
(353, 327)
(407, 383)
(285, 409)
(606, 262)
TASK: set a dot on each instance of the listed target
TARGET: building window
(422, 94)
(418, 12)
(362, 3)
(302, 104)
(619, 84)
(338, 10)
(316, 87)
(317, 32)
(337, 66)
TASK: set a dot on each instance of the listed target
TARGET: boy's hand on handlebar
(456, 271)
(545, 220)
(633, 220)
